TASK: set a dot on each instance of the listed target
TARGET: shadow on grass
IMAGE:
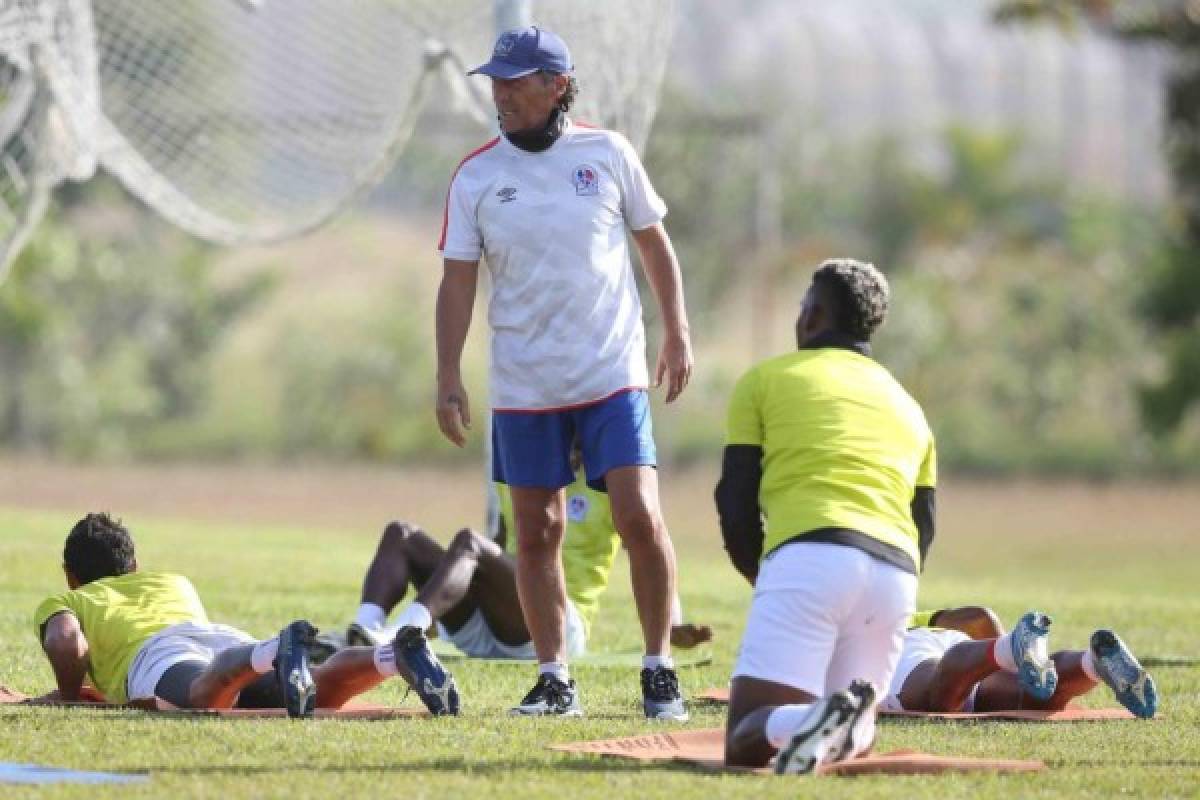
(1165, 763)
(456, 765)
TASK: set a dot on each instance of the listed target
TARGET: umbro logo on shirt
(507, 194)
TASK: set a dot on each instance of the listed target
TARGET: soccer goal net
(254, 120)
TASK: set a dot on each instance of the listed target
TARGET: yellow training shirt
(118, 615)
(844, 447)
(922, 619)
(589, 547)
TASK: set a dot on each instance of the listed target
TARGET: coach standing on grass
(830, 449)
(549, 204)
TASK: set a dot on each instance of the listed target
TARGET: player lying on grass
(960, 659)
(141, 635)
(470, 589)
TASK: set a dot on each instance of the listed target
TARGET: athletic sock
(1002, 653)
(370, 616)
(555, 669)
(784, 721)
(385, 660)
(262, 657)
(1088, 665)
(416, 615)
(654, 662)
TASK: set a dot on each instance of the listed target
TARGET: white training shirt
(565, 315)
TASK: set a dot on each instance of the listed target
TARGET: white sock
(415, 614)
(262, 658)
(676, 611)
(370, 616)
(555, 669)
(1002, 653)
(1088, 665)
(784, 721)
(385, 660)
(654, 662)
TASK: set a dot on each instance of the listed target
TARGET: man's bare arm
(67, 650)
(455, 302)
(675, 360)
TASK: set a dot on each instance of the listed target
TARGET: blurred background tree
(107, 325)
(1170, 298)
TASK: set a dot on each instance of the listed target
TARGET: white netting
(619, 47)
(252, 120)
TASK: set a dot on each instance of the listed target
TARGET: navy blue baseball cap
(524, 51)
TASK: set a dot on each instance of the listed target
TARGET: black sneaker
(660, 695)
(323, 647)
(550, 697)
(358, 636)
(432, 682)
(291, 669)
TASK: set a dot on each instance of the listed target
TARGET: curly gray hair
(858, 293)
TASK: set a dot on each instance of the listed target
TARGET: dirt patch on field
(358, 498)
(363, 498)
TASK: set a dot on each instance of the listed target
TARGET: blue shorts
(532, 449)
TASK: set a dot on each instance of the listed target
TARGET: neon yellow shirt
(922, 619)
(589, 547)
(117, 616)
(844, 447)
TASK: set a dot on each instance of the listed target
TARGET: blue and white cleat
(432, 682)
(1117, 667)
(1035, 669)
(296, 682)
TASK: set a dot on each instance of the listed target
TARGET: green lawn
(1112, 557)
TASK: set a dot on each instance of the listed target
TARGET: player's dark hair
(568, 97)
(856, 293)
(98, 547)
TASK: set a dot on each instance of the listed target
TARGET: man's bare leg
(348, 673)
(476, 573)
(541, 523)
(751, 703)
(221, 681)
(633, 493)
(1002, 692)
(405, 555)
(951, 682)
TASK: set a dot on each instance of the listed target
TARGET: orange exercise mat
(352, 710)
(1068, 714)
(706, 748)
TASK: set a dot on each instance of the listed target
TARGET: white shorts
(920, 645)
(824, 615)
(476, 639)
(186, 641)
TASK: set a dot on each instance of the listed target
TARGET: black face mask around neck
(535, 140)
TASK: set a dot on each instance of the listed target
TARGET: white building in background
(1088, 107)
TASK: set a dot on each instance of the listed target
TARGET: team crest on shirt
(586, 179)
(577, 507)
(507, 194)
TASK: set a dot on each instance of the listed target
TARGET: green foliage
(102, 337)
(362, 390)
(1171, 295)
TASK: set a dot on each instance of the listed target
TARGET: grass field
(264, 546)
